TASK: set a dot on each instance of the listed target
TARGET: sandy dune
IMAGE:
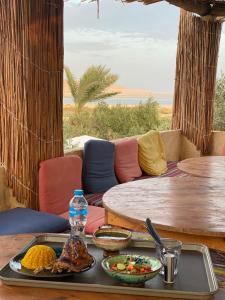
(125, 92)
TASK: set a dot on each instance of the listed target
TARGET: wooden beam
(200, 7)
(218, 10)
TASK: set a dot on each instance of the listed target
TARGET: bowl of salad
(131, 269)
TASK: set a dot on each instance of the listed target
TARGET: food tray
(195, 280)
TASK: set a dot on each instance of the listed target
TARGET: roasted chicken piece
(74, 257)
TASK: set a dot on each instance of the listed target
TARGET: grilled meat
(74, 257)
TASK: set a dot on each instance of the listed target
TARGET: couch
(177, 147)
(58, 177)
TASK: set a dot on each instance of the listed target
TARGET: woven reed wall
(197, 55)
(31, 91)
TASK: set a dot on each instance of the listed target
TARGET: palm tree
(91, 86)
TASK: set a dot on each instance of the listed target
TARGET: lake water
(126, 101)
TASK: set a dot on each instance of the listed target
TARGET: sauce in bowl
(112, 239)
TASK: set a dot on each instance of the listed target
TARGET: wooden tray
(195, 280)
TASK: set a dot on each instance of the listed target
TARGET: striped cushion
(94, 199)
(218, 259)
(172, 171)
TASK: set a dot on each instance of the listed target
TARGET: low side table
(205, 166)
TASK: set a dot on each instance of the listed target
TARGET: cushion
(96, 218)
(126, 160)
(94, 199)
(98, 166)
(6, 201)
(223, 150)
(172, 171)
(151, 153)
(58, 177)
(25, 220)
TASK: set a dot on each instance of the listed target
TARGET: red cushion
(126, 160)
(96, 218)
(58, 177)
(223, 150)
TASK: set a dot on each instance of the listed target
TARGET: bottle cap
(78, 193)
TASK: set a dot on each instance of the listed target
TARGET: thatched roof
(214, 8)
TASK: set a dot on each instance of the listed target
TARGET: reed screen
(197, 55)
(31, 91)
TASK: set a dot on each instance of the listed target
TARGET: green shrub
(165, 123)
(219, 106)
(112, 122)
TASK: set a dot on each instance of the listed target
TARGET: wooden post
(31, 91)
(197, 55)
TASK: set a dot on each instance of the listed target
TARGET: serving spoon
(155, 235)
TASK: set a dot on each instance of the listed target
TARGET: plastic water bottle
(78, 210)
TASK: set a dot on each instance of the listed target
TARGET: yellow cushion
(151, 154)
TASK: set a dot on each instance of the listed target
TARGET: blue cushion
(98, 166)
(25, 220)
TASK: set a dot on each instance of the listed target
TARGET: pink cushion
(223, 150)
(58, 177)
(126, 160)
(96, 218)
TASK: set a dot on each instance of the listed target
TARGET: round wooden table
(205, 166)
(191, 209)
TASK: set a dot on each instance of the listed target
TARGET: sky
(137, 42)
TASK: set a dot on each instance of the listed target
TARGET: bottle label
(73, 212)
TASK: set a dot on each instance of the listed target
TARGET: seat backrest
(98, 166)
(126, 160)
(58, 177)
(151, 153)
(223, 150)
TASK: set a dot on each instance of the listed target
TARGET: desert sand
(125, 92)
(68, 109)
